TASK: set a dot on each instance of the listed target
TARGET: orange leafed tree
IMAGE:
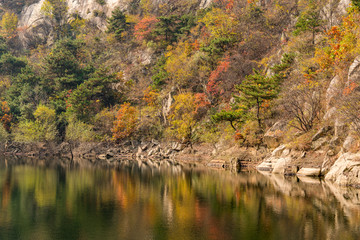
(143, 29)
(151, 96)
(125, 123)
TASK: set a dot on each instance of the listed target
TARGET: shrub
(42, 129)
(30, 131)
(79, 132)
(101, 2)
(4, 135)
(104, 121)
(303, 106)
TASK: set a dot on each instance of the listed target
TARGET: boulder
(341, 128)
(278, 162)
(281, 165)
(102, 157)
(278, 151)
(309, 172)
(273, 136)
(346, 170)
(267, 165)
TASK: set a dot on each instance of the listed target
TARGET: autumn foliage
(182, 117)
(125, 123)
(214, 80)
(144, 27)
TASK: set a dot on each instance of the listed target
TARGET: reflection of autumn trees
(165, 203)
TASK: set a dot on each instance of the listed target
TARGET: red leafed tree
(143, 29)
(214, 80)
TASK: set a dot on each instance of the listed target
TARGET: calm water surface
(42, 200)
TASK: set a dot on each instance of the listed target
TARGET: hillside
(254, 74)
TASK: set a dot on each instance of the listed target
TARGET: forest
(177, 71)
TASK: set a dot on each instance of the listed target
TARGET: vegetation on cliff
(176, 71)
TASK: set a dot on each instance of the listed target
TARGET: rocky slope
(35, 28)
(334, 152)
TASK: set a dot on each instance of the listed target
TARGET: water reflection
(48, 199)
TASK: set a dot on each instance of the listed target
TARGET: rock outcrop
(278, 162)
(35, 29)
(274, 135)
(346, 170)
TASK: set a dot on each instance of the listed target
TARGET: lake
(58, 199)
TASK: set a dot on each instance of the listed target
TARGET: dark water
(135, 201)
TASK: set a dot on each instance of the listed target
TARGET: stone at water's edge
(309, 172)
(346, 170)
(281, 165)
(278, 162)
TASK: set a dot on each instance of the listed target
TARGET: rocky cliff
(334, 147)
(35, 29)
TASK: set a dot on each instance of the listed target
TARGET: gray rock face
(167, 106)
(333, 92)
(348, 143)
(346, 170)
(35, 27)
(343, 5)
(354, 72)
(333, 11)
(205, 3)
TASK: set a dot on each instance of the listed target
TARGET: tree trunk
(232, 125)
(258, 112)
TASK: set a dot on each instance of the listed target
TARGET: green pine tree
(232, 116)
(118, 24)
(256, 89)
(309, 21)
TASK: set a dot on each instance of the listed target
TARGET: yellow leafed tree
(182, 117)
(9, 23)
